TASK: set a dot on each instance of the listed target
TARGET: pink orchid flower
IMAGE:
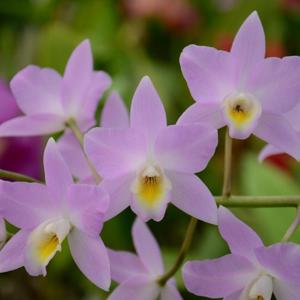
(138, 274)
(251, 272)
(47, 214)
(114, 115)
(150, 164)
(49, 100)
(242, 89)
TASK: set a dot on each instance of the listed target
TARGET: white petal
(263, 287)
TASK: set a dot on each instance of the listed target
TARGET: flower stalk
(293, 227)
(227, 165)
(80, 138)
(4, 174)
(232, 201)
(259, 201)
(183, 251)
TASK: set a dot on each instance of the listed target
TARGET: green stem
(4, 174)
(227, 165)
(80, 138)
(76, 131)
(293, 227)
(259, 201)
(232, 201)
(183, 251)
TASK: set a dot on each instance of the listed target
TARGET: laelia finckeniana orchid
(151, 164)
(138, 274)
(242, 89)
(114, 115)
(251, 272)
(47, 214)
(49, 100)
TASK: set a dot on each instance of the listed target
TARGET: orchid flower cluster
(93, 173)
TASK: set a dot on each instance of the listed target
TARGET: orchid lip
(150, 186)
(45, 240)
(241, 110)
(261, 288)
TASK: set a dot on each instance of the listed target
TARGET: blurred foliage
(128, 42)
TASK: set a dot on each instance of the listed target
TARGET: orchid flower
(114, 115)
(138, 274)
(49, 101)
(47, 214)
(150, 164)
(242, 89)
(251, 272)
(293, 117)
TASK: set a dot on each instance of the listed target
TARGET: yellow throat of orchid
(46, 240)
(241, 109)
(47, 247)
(151, 186)
(239, 114)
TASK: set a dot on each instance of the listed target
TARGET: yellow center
(239, 114)
(151, 186)
(150, 189)
(47, 247)
(260, 298)
(241, 110)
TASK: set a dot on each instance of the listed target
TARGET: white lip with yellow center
(151, 186)
(241, 110)
(45, 241)
(261, 288)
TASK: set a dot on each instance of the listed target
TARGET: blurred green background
(132, 38)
